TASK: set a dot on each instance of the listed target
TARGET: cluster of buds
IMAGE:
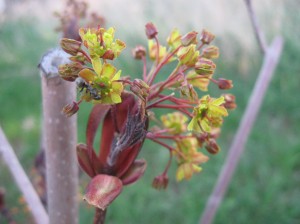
(124, 106)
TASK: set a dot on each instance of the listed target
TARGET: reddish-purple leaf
(97, 114)
(126, 158)
(113, 122)
(135, 172)
(102, 190)
(84, 159)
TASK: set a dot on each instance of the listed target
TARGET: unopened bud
(160, 182)
(79, 57)
(139, 52)
(229, 101)
(189, 38)
(188, 55)
(70, 109)
(210, 52)
(224, 83)
(69, 72)
(189, 92)
(212, 146)
(205, 67)
(140, 88)
(151, 30)
(206, 37)
(70, 46)
(109, 54)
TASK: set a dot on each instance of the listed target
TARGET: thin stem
(157, 50)
(237, 147)
(99, 217)
(171, 106)
(144, 67)
(160, 65)
(160, 100)
(151, 137)
(86, 55)
(258, 32)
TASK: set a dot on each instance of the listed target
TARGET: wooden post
(60, 135)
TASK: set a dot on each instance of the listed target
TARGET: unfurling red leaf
(135, 172)
(102, 190)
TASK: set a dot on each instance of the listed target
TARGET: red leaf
(135, 172)
(97, 114)
(102, 190)
(88, 164)
(110, 122)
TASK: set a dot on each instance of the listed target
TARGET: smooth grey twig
(238, 145)
(258, 32)
(34, 203)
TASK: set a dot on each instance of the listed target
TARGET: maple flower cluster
(196, 117)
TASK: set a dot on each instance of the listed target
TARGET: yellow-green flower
(186, 171)
(188, 55)
(174, 40)
(208, 114)
(104, 81)
(201, 82)
(152, 46)
(100, 43)
(188, 158)
(174, 122)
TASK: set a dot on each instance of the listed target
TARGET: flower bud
(189, 38)
(210, 52)
(205, 67)
(151, 30)
(212, 146)
(70, 46)
(139, 52)
(229, 101)
(70, 109)
(140, 88)
(109, 54)
(188, 55)
(224, 83)
(206, 37)
(189, 92)
(160, 182)
(79, 57)
(69, 72)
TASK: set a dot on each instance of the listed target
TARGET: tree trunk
(60, 141)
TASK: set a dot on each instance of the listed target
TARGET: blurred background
(266, 185)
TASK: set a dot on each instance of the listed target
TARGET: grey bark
(60, 135)
(22, 180)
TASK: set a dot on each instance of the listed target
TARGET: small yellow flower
(208, 114)
(100, 43)
(201, 82)
(188, 55)
(174, 40)
(104, 81)
(152, 47)
(174, 122)
(186, 171)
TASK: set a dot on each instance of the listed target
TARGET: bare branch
(258, 32)
(270, 61)
(22, 181)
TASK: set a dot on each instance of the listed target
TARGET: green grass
(265, 187)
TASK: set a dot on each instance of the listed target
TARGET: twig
(22, 181)
(60, 135)
(258, 33)
(270, 61)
